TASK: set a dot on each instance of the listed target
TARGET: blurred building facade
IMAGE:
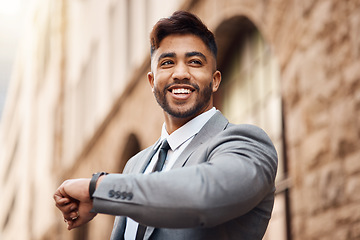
(79, 102)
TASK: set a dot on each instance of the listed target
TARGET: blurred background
(11, 27)
(78, 102)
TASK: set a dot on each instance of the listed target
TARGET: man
(218, 178)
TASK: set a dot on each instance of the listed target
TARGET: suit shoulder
(248, 133)
(245, 129)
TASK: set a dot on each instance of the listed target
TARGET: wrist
(94, 182)
(99, 180)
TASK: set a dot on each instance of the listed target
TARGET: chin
(189, 112)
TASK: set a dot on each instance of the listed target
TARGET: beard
(201, 102)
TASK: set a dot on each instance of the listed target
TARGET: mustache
(182, 82)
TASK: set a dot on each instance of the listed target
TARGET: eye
(195, 62)
(166, 63)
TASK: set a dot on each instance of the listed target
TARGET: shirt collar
(188, 130)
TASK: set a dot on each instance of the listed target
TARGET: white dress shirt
(178, 141)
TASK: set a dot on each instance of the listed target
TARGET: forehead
(181, 44)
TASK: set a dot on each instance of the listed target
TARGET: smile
(180, 91)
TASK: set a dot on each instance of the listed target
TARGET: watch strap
(93, 181)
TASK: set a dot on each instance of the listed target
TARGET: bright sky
(11, 21)
(10, 7)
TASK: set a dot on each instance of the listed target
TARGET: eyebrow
(197, 54)
(187, 55)
(166, 55)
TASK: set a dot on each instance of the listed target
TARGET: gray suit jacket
(221, 187)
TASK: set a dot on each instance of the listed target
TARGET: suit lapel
(144, 164)
(119, 228)
(216, 124)
(144, 161)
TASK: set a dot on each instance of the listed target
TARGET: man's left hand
(73, 200)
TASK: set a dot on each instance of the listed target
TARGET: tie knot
(165, 145)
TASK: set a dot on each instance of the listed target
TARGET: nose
(181, 72)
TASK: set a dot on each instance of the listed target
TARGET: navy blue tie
(162, 156)
(158, 167)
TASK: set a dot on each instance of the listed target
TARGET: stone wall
(321, 90)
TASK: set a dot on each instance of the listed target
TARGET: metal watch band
(93, 181)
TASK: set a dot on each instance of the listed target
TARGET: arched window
(250, 93)
(132, 147)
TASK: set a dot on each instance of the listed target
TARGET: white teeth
(181, 90)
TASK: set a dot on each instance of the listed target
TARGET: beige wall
(75, 63)
(77, 96)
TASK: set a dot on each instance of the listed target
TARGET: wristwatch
(93, 181)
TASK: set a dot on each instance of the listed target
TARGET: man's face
(183, 76)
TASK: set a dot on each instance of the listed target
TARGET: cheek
(204, 79)
(161, 79)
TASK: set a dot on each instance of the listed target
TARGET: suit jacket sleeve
(225, 177)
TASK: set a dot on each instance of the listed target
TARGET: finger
(63, 201)
(69, 224)
(68, 211)
(71, 215)
(66, 204)
(57, 195)
(74, 223)
(61, 189)
(71, 207)
(80, 220)
(74, 215)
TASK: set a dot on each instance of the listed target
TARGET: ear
(216, 80)
(150, 77)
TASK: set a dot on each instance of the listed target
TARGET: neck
(173, 123)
